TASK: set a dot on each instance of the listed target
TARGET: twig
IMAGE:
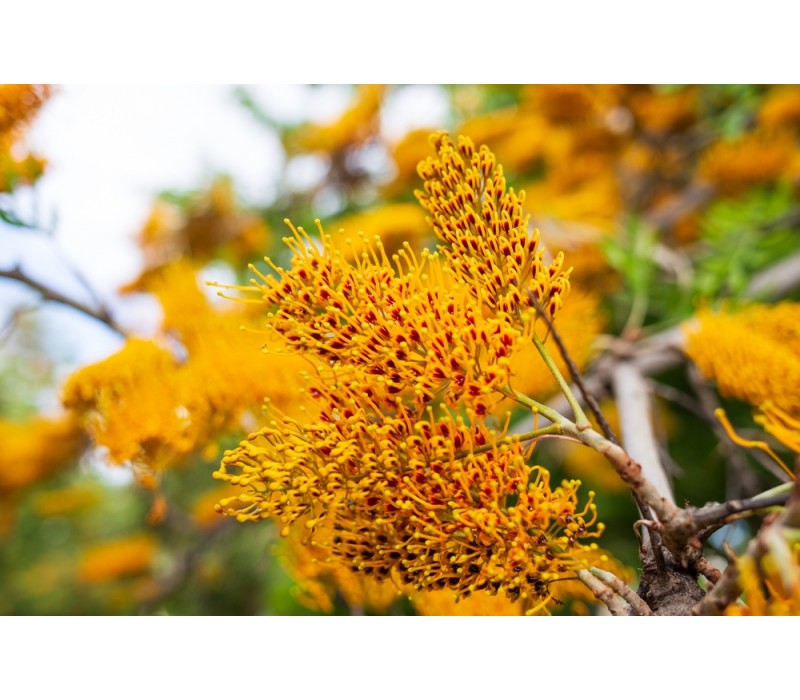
(725, 591)
(602, 592)
(575, 375)
(49, 294)
(705, 567)
(715, 513)
(622, 589)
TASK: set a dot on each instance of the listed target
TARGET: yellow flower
(35, 449)
(146, 406)
(755, 158)
(780, 108)
(115, 559)
(128, 403)
(358, 123)
(400, 477)
(436, 503)
(19, 104)
(753, 355)
(486, 231)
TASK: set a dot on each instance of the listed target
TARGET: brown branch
(724, 592)
(715, 513)
(705, 567)
(49, 294)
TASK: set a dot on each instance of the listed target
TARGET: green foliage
(739, 237)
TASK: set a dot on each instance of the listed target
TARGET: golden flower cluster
(400, 477)
(155, 401)
(19, 104)
(430, 503)
(752, 354)
(486, 231)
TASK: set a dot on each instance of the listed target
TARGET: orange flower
(755, 158)
(117, 558)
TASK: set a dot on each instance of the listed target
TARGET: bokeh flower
(752, 354)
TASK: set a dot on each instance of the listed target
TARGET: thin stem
(535, 406)
(553, 429)
(580, 417)
(575, 373)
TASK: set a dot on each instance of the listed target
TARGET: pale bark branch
(603, 593)
(638, 606)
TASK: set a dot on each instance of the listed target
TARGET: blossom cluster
(402, 476)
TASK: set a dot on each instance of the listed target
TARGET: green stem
(580, 417)
(535, 406)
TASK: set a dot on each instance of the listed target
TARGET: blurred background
(117, 204)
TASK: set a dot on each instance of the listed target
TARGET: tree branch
(602, 592)
(49, 294)
(638, 606)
